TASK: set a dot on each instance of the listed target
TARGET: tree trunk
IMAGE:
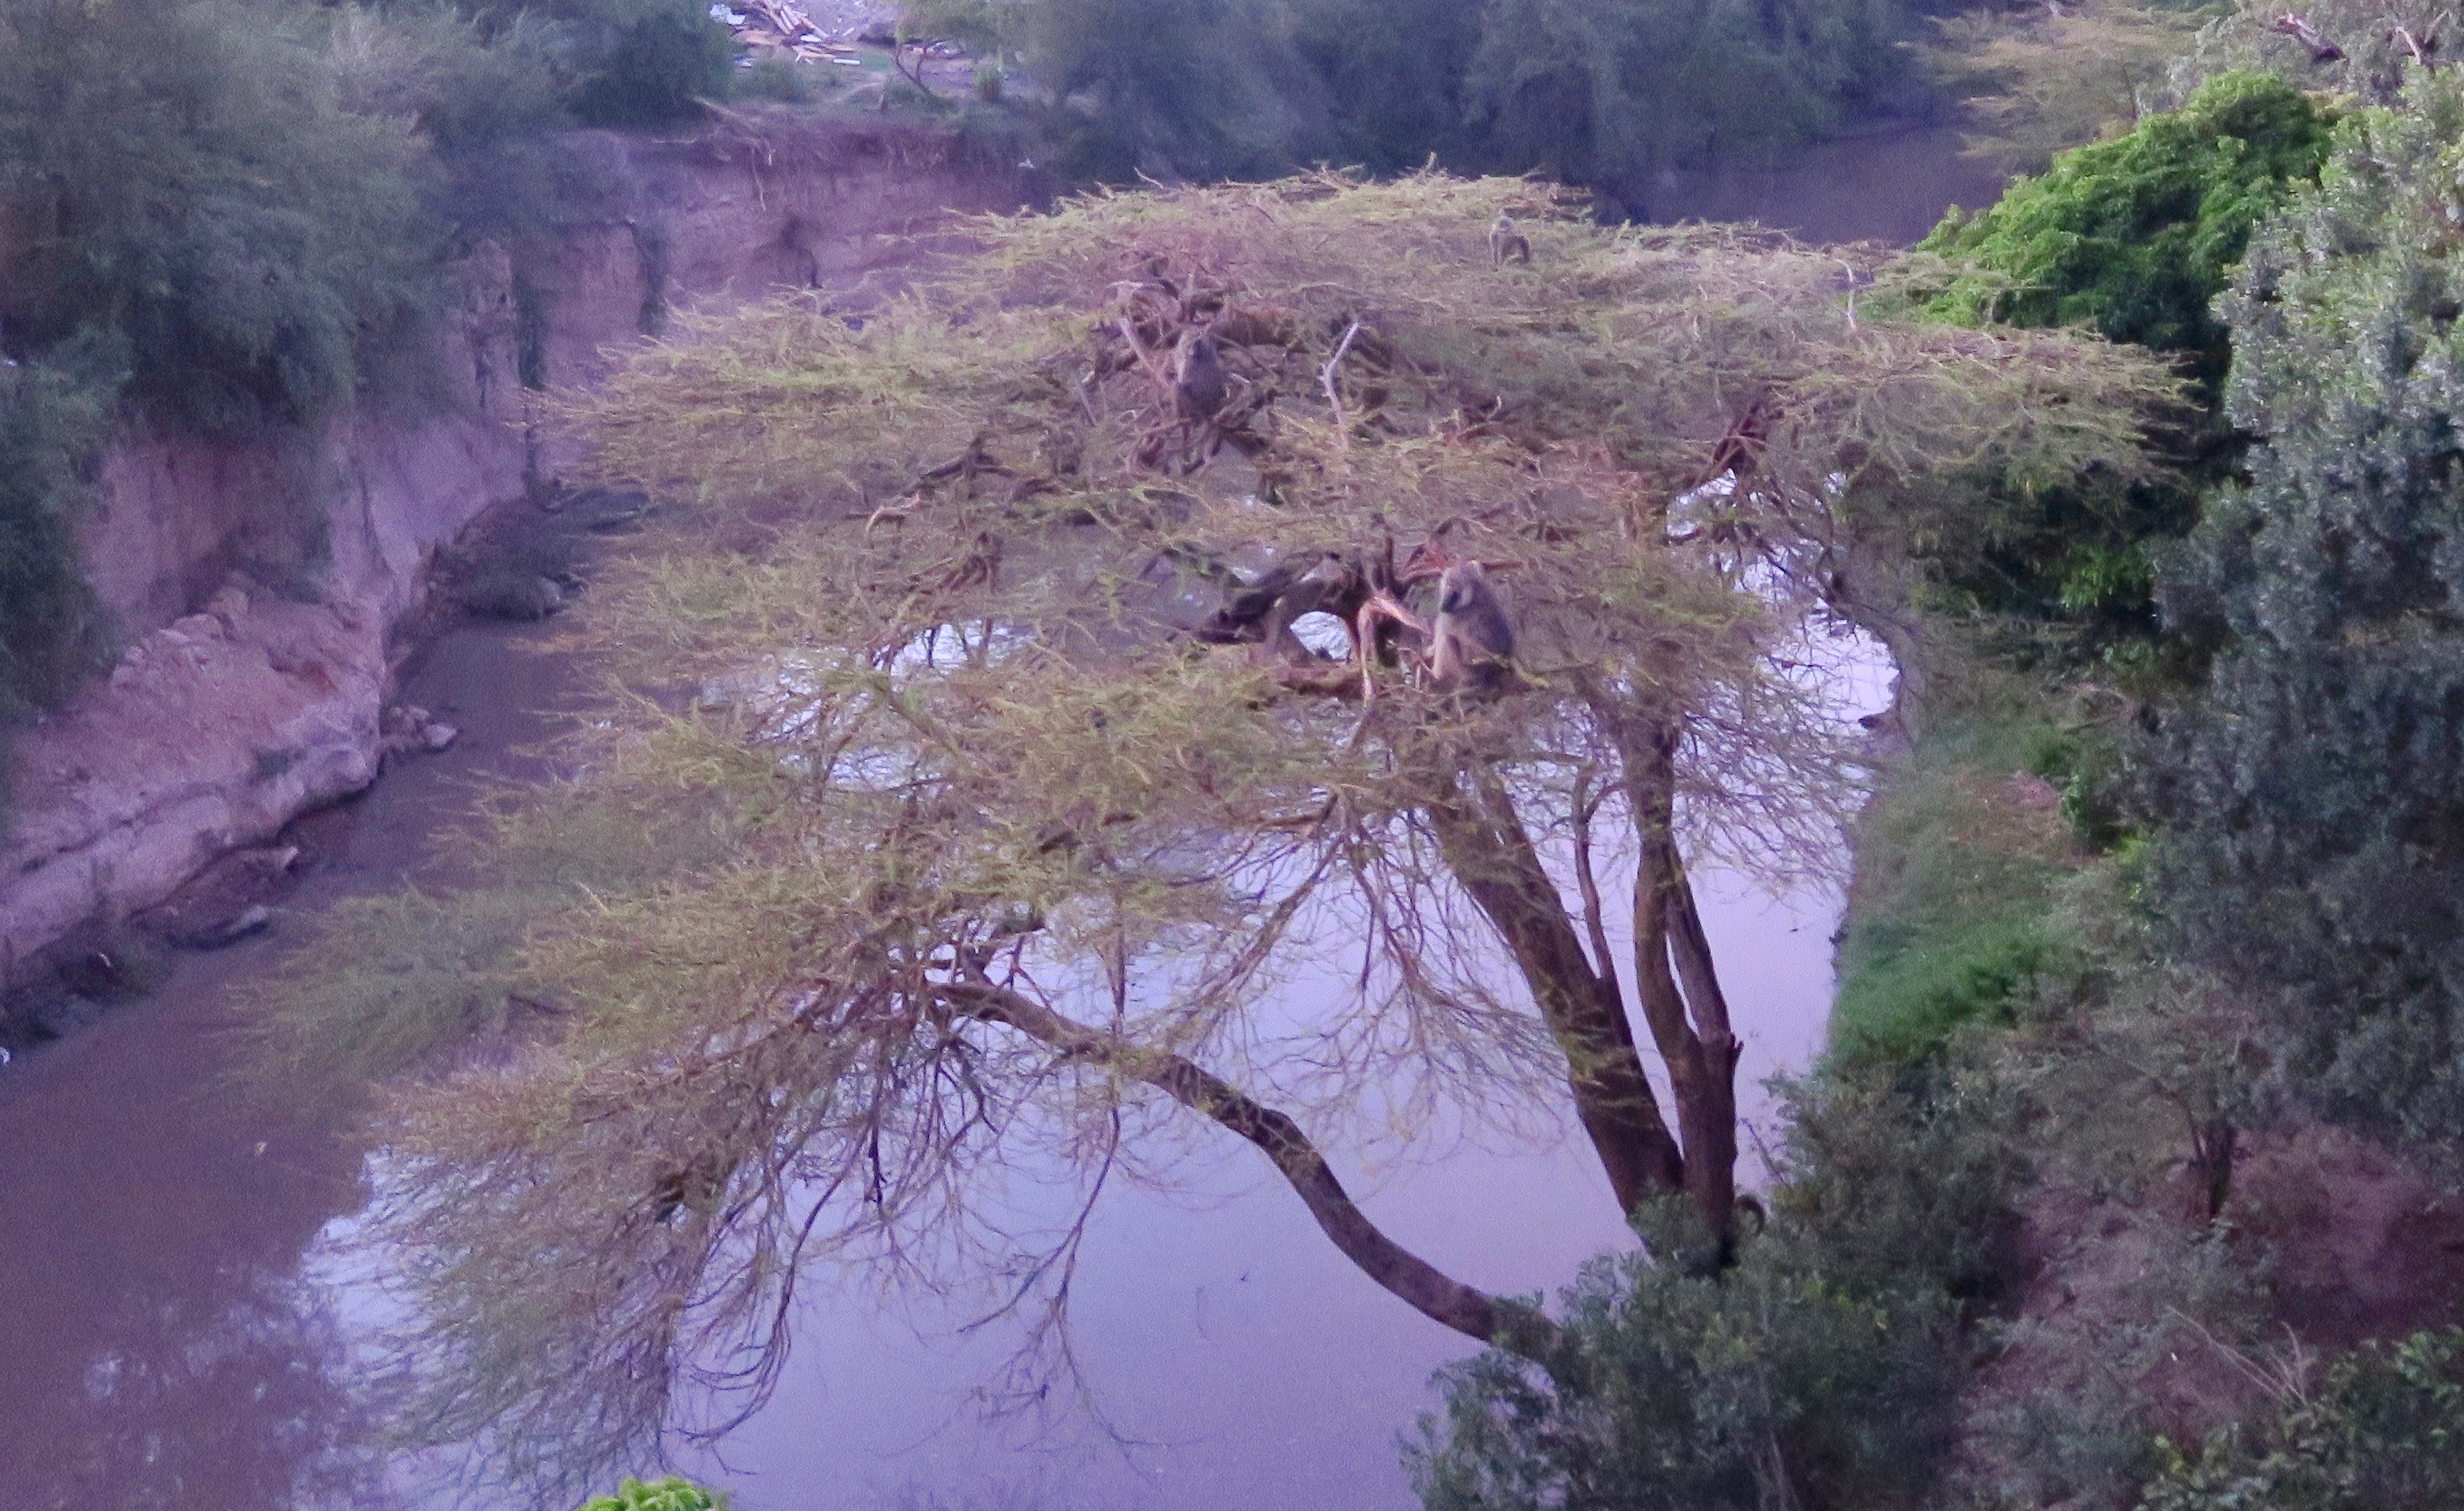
(1491, 855)
(1677, 980)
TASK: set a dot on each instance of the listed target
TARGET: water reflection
(162, 1343)
(1232, 1357)
(160, 1347)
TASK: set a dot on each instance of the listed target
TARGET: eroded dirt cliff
(254, 681)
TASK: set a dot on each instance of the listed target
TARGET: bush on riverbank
(2254, 927)
(2134, 237)
(2310, 790)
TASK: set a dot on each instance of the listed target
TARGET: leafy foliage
(2133, 236)
(671, 1493)
(53, 417)
(1602, 92)
(2312, 790)
(2373, 43)
(655, 67)
(1613, 94)
(2136, 235)
(181, 174)
(1822, 1370)
(1701, 1392)
(1394, 76)
(226, 216)
(2384, 1431)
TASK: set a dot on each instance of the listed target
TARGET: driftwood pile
(781, 26)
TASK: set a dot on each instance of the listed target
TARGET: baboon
(1508, 244)
(1471, 644)
(1200, 386)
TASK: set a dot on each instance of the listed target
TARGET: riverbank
(254, 689)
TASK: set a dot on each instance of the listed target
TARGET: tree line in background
(1607, 94)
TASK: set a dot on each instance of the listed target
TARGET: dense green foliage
(1604, 93)
(54, 416)
(2136, 235)
(1692, 1392)
(653, 66)
(225, 216)
(2382, 1431)
(1613, 94)
(2252, 909)
(1822, 1369)
(2314, 791)
(670, 1493)
(2133, 236)
(184, 177)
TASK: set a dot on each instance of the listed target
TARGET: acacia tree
(998, 795)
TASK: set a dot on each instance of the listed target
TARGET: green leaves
(2134, 236)
(2316, 790)
(670, 1493)
(2382, 1431)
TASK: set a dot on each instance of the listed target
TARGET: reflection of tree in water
(227, 1392)
(163, 1347)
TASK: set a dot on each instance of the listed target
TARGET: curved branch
(1476, 1314)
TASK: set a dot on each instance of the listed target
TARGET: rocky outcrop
(257, 671)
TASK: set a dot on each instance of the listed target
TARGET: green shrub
(1824, 1370)
(656, 67)
(2312, 792)
(2136, 235)
(671, 1493)
(1677, 1390)
(185, 176)
(54, 415)
(780, 77)
(1612, 95)
(2385, 1431)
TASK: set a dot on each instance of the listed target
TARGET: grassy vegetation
(1961, 859)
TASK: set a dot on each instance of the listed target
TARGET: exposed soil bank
(241, 702)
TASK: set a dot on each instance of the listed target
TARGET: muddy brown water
(172, 1333)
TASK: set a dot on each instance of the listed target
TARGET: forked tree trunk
(1491, 855)
(1489, 851)
(1677, 980)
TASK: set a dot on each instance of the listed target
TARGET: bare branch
(1488, 1319)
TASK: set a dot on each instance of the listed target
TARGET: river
(174, 1332)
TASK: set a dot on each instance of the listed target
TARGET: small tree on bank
(996, 799)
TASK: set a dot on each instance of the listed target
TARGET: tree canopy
(2134, 236)
(1040, 730)
(2311, 788)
